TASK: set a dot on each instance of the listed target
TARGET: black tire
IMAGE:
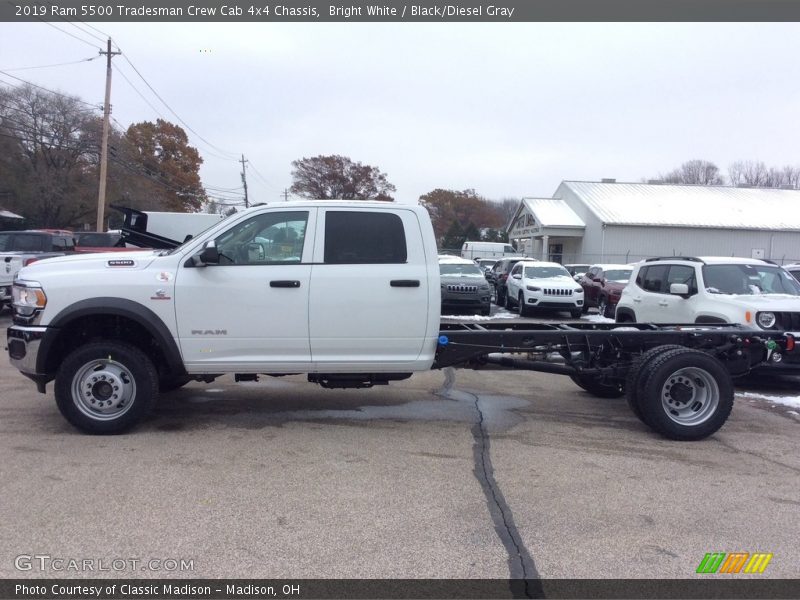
(101, 369)
(576, 313)
(687, 394)
(634, 381)
(500, 297)
(610, 311)
(598, 388)
(507, 301)
(524, 311)
(486, 311)
(170, 384)
(602, 306)
(585, 307)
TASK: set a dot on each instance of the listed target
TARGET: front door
(250, 311)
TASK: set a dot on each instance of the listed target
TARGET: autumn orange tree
(453, 211)
(339, 177)
(161, 153)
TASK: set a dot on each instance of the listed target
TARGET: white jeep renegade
(754, 293)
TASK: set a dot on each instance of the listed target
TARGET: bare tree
(698, 172)
(748, 172)
(52, 154)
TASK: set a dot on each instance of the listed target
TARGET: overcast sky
(510, 110)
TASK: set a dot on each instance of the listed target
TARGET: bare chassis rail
(678, 379)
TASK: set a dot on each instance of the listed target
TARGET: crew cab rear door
(250, 311)
(369, 288)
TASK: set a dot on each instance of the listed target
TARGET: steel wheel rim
(690, 396)
(103, 389)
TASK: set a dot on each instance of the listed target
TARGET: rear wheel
(507, 301)
(106, 387)
(597, 387)
(686, 394)
(500, 296)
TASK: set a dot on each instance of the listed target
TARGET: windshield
(461, 270)
(749, 280)
(619, 275)
(545, 272)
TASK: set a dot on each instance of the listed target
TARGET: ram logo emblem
(209, 332)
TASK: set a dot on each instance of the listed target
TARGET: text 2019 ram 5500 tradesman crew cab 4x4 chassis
(347, 292)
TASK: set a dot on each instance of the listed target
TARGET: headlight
(28, 296)
(532, 288)
(766, 320)
(484, 288)
(578, 290)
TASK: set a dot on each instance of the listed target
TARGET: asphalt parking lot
(461, 474)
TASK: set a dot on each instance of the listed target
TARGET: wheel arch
(110, 318)
(623, 313)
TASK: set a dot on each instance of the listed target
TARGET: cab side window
(266, 239)
(353, 237)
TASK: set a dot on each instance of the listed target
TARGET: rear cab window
(361, 237)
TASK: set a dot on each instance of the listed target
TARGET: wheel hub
(103, 389)
(690, 396)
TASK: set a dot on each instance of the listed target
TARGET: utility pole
(244, 181)
(101, 196)
(285, 194)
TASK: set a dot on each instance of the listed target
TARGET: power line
(70, 34)
(75, 62)
(75, 98)
(172, 111)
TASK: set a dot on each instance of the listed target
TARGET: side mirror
(577, 277)
(517, 276)
(207, 256)
(679, 289)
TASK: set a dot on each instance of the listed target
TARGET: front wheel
(576, 313)
(106, 387)
(524, 311)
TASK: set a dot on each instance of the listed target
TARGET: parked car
(753, 293)
(498, 275)
(602, 287)
(485, 264)
(464, 286)
(98, 241)
(794, 269)
(577, 270)
(534, 284)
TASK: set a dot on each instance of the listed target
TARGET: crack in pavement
(525, 578)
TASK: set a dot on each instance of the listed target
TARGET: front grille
(557, 292)
(789, 321)
(462, 289)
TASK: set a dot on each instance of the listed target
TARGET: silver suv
(753, 293)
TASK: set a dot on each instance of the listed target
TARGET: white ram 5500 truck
(348, 293)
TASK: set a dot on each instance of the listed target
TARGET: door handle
(404, 283)
(663, 303)
(284, 283)
(637, 299)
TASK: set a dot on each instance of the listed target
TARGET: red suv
(602, 286)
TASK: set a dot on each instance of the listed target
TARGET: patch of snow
(500, 314)
(792, 401)
(596, 319)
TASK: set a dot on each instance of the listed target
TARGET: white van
(473, 250)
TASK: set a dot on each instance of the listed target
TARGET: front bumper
(24, 345)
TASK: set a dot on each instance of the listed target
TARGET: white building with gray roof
(592, 222)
